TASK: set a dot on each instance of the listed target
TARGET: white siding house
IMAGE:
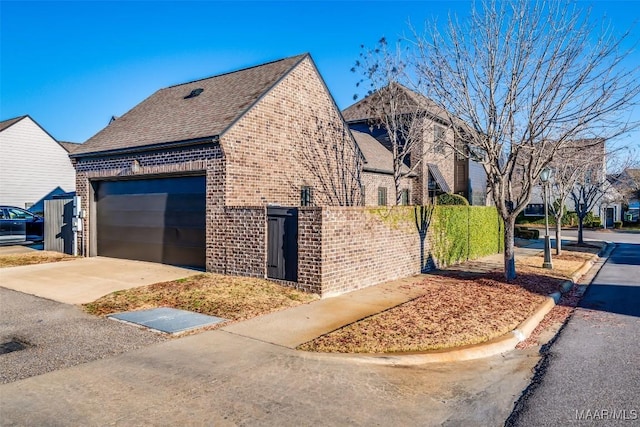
(33, 166)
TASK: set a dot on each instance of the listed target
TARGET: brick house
(189, 175)
(377, 173)
(435, 165)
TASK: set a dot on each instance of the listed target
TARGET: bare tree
(592, 188)
(569, 166)
(586, 194)
(519, 80)
(391, 106)
(332, 158)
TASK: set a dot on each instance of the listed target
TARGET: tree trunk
(509, 249)
(396, 183)
(558, 236)
(580, 239)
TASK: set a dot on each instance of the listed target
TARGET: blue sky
(72, 65)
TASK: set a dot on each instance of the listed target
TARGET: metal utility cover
(169, 320)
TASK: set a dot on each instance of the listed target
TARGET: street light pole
(544, 177)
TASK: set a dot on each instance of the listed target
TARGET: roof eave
(389, 172)
(151, 147)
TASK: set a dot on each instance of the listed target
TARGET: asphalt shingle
(170, 115)
(377, 157)
(6, 123)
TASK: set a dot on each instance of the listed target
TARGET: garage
(158, 219)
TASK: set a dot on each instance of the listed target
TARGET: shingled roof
(408, 100)
(6, 123)
(377, 157)
(191, 111)
(71, 147)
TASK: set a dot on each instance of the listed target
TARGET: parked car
(18, 225)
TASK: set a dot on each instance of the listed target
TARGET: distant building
(33, 165)
(436, 168)
(628, 184)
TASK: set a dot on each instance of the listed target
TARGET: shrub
(486, 232)
(451, 234)
(451, 199)
(595, 222)
(465, 232)
(569, 219)
(617, 224)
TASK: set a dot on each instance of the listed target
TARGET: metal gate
(58, 233)
(282, 243)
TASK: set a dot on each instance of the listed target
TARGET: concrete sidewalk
(295, 326)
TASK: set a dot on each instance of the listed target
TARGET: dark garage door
(159, 220)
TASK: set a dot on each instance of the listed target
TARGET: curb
(502, 344)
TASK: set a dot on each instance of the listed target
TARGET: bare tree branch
(526, 78)
(334, 161)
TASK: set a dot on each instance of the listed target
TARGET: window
(306, 196)
(438, 139)
(461, 150)
(534, 209)
(404, 197)
(363, 198)
(382, 196)
(19, 214)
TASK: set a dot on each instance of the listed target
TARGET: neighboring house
(377, 173)
(604, 198)
(69, 146)
(188, 176)
(33, 165)
(435, 167)
(628, 185)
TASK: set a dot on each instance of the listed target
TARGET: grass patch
(229, 297)
(31, 258)
(458, 308)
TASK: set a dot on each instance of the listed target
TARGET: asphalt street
(591, 373)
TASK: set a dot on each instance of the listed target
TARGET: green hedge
(451, 199)
(465, 232)
(486, 231)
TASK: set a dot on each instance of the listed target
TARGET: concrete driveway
(87, 279)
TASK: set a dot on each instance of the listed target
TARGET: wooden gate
(58, 235)
(282, 243)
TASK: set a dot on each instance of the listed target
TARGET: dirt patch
(30, 258)
(459, 308)
(229, 297)
(563, 266)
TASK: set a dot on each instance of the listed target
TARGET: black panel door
(282, 243)
(160, 220)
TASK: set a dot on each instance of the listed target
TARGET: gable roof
(376, 156)
(182, 113)
(69, 146)
(6, 123)
(408, 100)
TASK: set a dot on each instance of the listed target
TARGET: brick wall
(246, 251)
(359, 247)
(310, 249)
(204, 159)
(293, 137)
(372, 181)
